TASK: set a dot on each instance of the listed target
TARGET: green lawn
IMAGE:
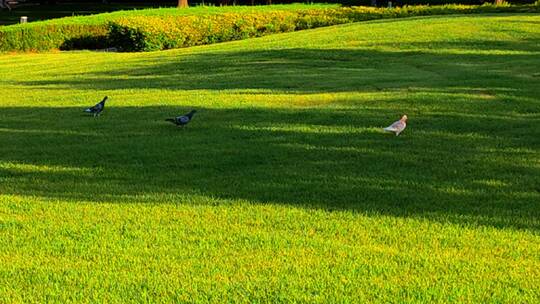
(284, 187)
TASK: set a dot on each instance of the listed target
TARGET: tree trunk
(498, 2)
(183, 3)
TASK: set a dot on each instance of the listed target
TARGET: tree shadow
(469, 156)
(300, 70)
(471, 170)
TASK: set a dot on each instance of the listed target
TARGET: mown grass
(283, 188)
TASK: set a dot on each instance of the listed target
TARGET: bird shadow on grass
(466, 170)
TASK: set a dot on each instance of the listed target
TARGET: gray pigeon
(182, 120)
(98, 108)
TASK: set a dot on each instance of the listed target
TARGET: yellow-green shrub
(158, 33)
(48, 36)
(146, 33)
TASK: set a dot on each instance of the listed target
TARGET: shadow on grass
(300, 70)
(464, 169)
(469, 159)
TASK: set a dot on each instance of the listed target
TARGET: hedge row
(148, 33)
(48, 37)
(155, 33)
(159, 33)
(90, 32)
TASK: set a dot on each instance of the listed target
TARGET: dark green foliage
(53, 11)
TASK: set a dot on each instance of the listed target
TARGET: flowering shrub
(148, 33)
(159, 33)
(50, 36)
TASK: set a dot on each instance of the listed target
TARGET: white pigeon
(398, 126)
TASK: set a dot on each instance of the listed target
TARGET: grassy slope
(284, 186)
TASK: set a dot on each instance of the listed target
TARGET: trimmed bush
(89, 32)
(147, 32)
(160, 33)
(44, 37)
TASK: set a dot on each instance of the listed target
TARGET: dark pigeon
(98, 108)
(182, 120)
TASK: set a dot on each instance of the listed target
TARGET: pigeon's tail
(389, 129)
(171, 120)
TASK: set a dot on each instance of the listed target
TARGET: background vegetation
(44, 11)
